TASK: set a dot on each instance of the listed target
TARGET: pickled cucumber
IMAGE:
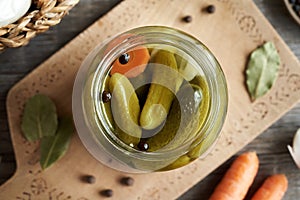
(169, 130)
(165, 80)
(125, 108)
(190, 99)
(204, 141)
(204, 107)
(182, 119)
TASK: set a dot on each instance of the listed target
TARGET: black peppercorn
(143, 146)
(106, 96)
(187, 19)
(89, 179)
(107, 193)
(124, 58)
(128, 181)
(211, 9)
(296, 8)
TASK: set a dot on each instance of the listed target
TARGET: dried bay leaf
(54, 147)
(40, 121)
(39, 118)
(262, 70)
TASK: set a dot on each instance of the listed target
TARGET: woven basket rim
(41, 16)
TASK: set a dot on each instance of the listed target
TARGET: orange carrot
(132, 63)
(273, 188)
(238, 178)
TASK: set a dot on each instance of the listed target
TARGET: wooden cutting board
(232, 32)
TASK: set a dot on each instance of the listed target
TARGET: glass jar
(165, 112)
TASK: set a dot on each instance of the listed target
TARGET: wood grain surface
(271, 145)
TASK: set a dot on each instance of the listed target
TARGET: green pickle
(159, 98)
(202, 144)
(165, 107)
(181, 122)
(126, 109)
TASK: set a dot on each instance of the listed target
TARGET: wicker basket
(41, 16)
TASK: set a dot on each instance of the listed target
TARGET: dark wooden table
(270, 145)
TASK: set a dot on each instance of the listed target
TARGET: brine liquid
(168, 107)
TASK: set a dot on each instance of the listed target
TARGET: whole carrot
(238, 178)
(273, 188)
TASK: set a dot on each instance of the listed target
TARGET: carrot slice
(273, 188)
(137, 62)
(238, 178)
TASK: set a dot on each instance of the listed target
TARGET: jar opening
(113, 88)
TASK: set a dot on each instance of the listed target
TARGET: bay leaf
(54, 147)
(262, 70)
(39, 118)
